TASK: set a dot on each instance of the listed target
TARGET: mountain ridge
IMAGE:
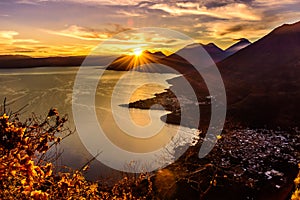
(262, 79)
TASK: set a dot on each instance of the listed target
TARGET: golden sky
(74, 27)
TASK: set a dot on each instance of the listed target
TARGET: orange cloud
(8, 38)
(80, 33)
(229, 11)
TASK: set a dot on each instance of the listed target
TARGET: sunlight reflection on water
(43, 88)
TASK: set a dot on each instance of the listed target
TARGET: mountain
(213, 50)
(151, 62)
(13, 57)
(129, 62)
(241, 44)
(262, 80)
(19, 61)
(216, 53)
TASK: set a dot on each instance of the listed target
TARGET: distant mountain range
(216, 53)
(10, 61)
(127, 62)
(19, 61)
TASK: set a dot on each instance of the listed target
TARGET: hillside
(262, 80)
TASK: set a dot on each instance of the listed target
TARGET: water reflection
(43, 88)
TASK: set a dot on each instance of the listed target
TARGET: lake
(45, 88)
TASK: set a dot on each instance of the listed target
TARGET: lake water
(44, 88)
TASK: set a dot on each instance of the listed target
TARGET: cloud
(146, 39)
(129, 14)
(115, 29)
(234, 29)
(8, 38)
(114, 2)
(18, 50)
(84, 33)
(8, 34)
(274, 3)
(29, 2)
(97, 2)
(11, 44)
(25, 41)
(228, 11)
(78, 32)
(228, 31)
(46, 50)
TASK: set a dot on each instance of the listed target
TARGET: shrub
(296, 194)
(26, 174)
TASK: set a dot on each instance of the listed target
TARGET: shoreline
(170, 103)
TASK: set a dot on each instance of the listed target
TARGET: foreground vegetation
(296, 194)
(27, 172)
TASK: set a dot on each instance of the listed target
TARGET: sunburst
(138, 52)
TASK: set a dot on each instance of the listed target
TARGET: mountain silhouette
(175, 61)
(262, 80)
(216, 53)
(151, 62)
(137, 63)
(241, 44)
(18, 61)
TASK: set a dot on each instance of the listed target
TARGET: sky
(41, 28)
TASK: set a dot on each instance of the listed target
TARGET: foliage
(25, 174)
(296, 194)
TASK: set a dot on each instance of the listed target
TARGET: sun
(138, 52)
